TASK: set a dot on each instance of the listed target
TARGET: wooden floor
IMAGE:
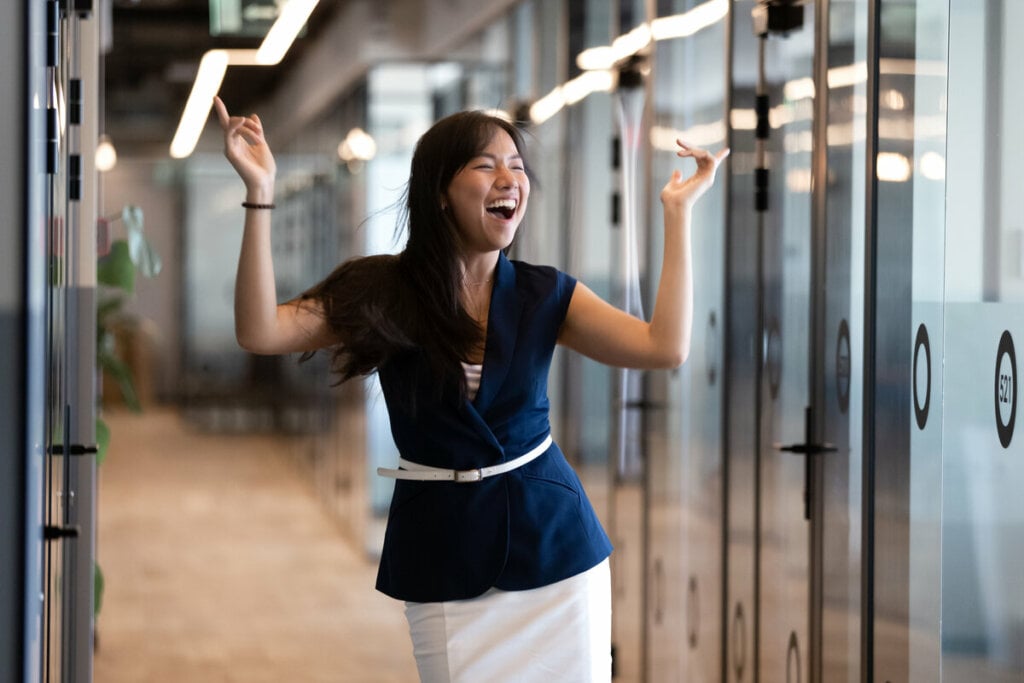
(220, 565)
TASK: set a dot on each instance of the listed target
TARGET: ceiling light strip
(212, 68)
(282, 34)
(663, 28)
(570, 93)
(214, 65)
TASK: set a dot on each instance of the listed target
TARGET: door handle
(807, 448)
(644, 404)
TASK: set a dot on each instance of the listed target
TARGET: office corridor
(220, 565)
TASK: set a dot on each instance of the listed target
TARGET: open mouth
(503, 208)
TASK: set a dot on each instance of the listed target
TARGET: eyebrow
(495, 156)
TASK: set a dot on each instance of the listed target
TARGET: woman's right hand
(247, 150)
(680, 193)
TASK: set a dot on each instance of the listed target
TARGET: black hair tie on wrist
(252, 205)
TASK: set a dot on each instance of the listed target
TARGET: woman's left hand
(681, 193)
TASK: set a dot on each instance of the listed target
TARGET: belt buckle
(467, 476)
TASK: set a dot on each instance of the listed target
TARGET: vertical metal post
(761, 206)
(816, 415)
(727, 332)
(870, 345)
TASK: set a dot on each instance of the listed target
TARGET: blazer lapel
(502, 327)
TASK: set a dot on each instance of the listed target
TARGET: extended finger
(222, 112)
(688, 151)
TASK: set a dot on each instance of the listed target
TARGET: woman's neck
(479, 269)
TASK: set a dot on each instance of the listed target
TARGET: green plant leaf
(102, 440)
(116, 268)
(142, 253)
(122, 375)
(98, 584)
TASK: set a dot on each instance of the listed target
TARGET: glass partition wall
(982, 464)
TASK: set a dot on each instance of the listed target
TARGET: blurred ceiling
(154, 55)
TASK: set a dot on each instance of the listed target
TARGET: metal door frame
(22, 330)
(870, 345)
(816, 392)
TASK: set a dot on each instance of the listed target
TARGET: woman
(491, 541)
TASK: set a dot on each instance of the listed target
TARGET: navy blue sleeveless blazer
(524, 529)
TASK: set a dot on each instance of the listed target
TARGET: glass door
(795, 330)
(787, 411)
(684, 430)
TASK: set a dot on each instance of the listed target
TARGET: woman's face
(487, 197)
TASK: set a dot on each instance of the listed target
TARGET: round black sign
(1006, 389)
(921, 410)
(843, 366)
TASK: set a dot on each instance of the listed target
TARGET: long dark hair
(379, 306)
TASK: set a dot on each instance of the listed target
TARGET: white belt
(412, 470)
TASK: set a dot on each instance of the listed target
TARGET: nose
(506, 178)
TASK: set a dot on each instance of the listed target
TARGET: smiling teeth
(502, 204)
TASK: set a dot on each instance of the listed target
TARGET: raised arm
(261, 325)
(599, 330)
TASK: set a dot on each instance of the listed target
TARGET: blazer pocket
(558, 504)
(565, 486)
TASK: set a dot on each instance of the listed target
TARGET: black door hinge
(53, 533)
(777, 16)
(74, 449)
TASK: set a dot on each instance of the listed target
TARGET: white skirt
(557, 633)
